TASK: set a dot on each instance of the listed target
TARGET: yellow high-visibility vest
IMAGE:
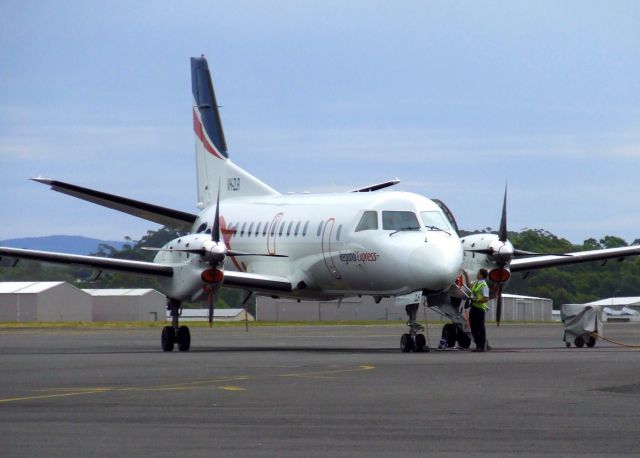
(476, 290)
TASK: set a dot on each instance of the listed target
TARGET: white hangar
(43, 301)
(127, 304)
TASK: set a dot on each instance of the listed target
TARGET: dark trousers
(476, 321)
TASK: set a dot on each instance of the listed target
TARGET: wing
(265, 284)
(540, 262)
(96, 262)
(174, 219)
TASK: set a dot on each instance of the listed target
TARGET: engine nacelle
(486, 251)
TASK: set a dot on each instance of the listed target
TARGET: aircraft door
(327, 232)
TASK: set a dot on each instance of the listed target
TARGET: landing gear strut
(175, 334)
(414, 340)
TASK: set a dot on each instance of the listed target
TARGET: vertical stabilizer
(212, 159)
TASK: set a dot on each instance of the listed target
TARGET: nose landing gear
(175, 334)
(414, 340)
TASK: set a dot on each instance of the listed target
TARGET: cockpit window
(399, 221)
(369, 221)
(434, 221)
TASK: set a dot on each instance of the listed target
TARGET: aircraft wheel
(406, 344)
(184, 338)
(591, 342)
(464, 341)
(568, 344)
(168, 338)
(579, 342)
(421, 343)
(449, 333)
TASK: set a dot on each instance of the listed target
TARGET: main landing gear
(175, 334)
(414, 340)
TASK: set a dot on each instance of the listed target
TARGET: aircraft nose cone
(436, 265)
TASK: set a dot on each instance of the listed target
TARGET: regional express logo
(359, 256)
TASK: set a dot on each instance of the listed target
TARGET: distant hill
(73, 244)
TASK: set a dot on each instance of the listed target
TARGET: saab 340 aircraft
(310, 246)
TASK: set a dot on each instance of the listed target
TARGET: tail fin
(212, 159)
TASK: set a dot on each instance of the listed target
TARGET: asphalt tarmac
(335, 391)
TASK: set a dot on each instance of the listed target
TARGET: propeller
(214, 251)
(502, 236)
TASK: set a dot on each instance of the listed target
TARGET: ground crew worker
(479, 305)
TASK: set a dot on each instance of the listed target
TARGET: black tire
(168, 339)
(579, 342)
(406, 344)
(450, 334)
(420, 343)
(184, 338)
(591, 342)
(568, 344)
(464, 341)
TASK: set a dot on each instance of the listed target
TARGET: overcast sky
(453, 98)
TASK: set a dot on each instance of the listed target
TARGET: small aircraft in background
(247, 235)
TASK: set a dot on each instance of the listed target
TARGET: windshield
(434, 221)
(399, 221)
(369, 221)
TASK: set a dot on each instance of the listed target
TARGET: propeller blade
(499, 304)
(199, 251)
(212, 299)
(242, 253)
(487, 251)
(215, 230)
(502, 233)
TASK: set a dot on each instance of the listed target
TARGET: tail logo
(197, 128)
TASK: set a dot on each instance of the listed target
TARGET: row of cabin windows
(275, 228)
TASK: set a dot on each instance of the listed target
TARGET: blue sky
(454, 98)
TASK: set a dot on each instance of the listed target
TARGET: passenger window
(250, 231)
(297, 229)
(338, 232)
(320, 228)
(281, 229)
(274, 226)
(266, 228)
(368, 222)
(399, 221)
(304, 230)
(244, 225)
(258, 229)
(289, 228)
(202, 228)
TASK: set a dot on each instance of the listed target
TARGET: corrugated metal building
(515, 308)
(127, 304)
(43, 301)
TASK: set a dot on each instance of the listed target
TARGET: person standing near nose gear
(479, 306)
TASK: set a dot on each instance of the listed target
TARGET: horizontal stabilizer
(377, 186)
(174, 219)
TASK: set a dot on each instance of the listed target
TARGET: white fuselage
(326, 256)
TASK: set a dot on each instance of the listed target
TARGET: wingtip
(43, 180)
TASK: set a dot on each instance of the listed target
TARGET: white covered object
(580, 320)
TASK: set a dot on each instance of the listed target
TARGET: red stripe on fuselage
(226, 236)
(197, 128)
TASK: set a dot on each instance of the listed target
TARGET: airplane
(247, 235)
